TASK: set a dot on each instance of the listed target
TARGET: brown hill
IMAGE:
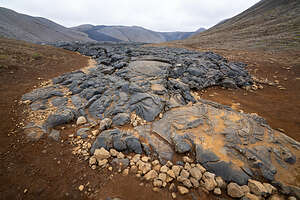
(269, 24)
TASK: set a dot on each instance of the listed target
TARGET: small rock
(113, 152)
(105, 124)
(182, 190)
(196, 173)
(102, 163)
(172, 187)
(169, 164)
(251, 196)
(145, 159)
(125, 172)
(176, 169)
(95, 132)
(155, 162)
(187, 166)
(173, 195)
(221, 183)
(157, 183)
(276, 197)
(81, 188)
(101, 154)
(81, 120)
(187, 183)
(133, 169)
(245, 189)
(151, 175)
(157, 167)
(92, 161)
(120, 155)
(292, 198)
(171, 173)
(145, 167)
(217, 191)
(257, 188)
(164, 169)
(194, 182)
(202, 169)
(234, 190)
(162, 176)
(270, 188)
(155, 189)
(184, 173)
(187, 159)
(209, 182)
(136, 158)
(25, 191)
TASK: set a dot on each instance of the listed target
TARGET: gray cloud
(158, 15)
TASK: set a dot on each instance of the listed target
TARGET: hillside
(269, 24)
(35, 29)
(131, 33)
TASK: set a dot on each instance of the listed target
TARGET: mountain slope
(35, 29)
(269, 24)
(131, 33)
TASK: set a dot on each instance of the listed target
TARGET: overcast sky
(158, 15)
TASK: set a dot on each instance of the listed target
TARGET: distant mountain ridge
(131, 33)
(37, 30)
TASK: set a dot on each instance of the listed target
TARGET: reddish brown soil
(47, 169)
(281, 108)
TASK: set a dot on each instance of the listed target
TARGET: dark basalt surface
(156, 84)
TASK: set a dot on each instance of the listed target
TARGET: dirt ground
(47, 169)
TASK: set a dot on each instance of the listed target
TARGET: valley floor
(47, 169)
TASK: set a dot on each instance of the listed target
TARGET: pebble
(81, 188)
(182, 190)
(81, 120)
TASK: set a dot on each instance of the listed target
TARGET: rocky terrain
(144, 101)
(35, 29)
(131, 34)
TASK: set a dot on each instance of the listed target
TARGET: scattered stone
(162, 176)
(102, 163)
(145, 159)
(151, 175)
(269, 188)
(208, 181)
(120, 155)
(176, 169)
(194, 182)
(196, 173)
(187, 183)
(55, 135)
(234, 190)
(136, 158)
(101, 154)
(251, 196)
(169, 164)
(164, 169)
(157, 183)
(257, 187)
(81, 120)
(155, 162)
(187, 159)
(144, 167)
(92, 161)
(113, 152)
(125, 172)
(95, 132)
(105, 124)
(171, 173)
(81, 188)
(217, 191)
(220, 182)
(182, 190)
(173, 195)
